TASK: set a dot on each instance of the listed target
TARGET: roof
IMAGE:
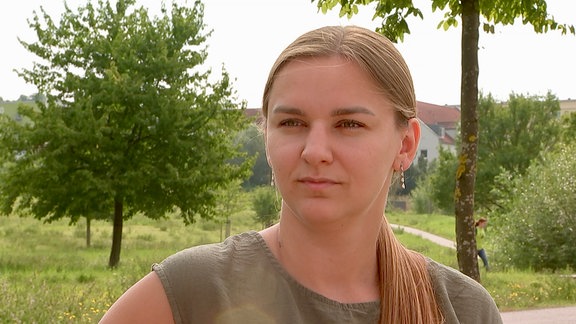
(430, 114)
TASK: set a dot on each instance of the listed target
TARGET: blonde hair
(406, 291)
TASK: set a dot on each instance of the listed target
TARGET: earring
(402, 180)
(272, 182)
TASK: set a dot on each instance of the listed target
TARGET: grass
(48, 275)
(440, 225)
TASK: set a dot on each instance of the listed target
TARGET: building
(439, 126)
(567, 106)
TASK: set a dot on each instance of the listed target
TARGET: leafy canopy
(512, 135)
(130, 115)
(395, 14)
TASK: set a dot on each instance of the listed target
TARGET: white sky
(249, 34)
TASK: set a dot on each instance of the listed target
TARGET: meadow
(49, 275)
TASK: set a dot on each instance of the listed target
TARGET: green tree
(468, 12)
(512, 135)
(230, 201)
(568, 127)
(252, 141)
(536, 224)
(441, 181)
(266, 205)
(130, 123)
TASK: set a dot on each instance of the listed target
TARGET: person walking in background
(480, 235)
(340, 126)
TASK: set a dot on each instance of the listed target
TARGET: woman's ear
(410, 143)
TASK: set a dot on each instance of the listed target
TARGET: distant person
(480, 235)
(340, 126)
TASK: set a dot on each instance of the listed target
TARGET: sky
(248, 35)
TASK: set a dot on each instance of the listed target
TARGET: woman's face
(333, 142)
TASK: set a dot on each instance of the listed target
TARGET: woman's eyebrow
(351, 111)
(287, 110)
(337, 112)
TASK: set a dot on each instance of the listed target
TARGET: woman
(339, 111)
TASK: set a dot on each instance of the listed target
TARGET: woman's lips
(317, 183)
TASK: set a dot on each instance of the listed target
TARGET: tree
(442, 183)
(130, 122)
(512, 135)
(568, 124)
(536, 223)
(395, 26)
(252, 142)
(230, 201)
(266, 205)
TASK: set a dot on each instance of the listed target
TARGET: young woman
(340, 126)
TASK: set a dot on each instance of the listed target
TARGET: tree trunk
(116, 235)
(228, 223)
(88, 231)
(466, 174)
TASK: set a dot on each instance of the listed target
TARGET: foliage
(422, 202)
(442, 181)
(568, 126)
(266, 204)
(395, 14)
(537, 223)
(511, 136)
(252, 142)
(131, 124)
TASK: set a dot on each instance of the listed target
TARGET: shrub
(537, 224)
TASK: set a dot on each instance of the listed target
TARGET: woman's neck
(340, 265)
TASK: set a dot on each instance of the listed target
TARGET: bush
(422, 199)
(537, 224)
(266, 205)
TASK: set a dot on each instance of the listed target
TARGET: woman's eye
(291, 123)
(350, 124)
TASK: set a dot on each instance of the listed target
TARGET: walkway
(557, 315)
(431, 237)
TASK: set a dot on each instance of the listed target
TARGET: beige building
(567, 106)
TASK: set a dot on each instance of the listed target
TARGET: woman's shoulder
(462, 299)
(207, 258)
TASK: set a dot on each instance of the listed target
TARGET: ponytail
(406, 292)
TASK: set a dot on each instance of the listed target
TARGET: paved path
(558, 315)
(434, 238)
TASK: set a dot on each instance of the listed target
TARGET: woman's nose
(317, 146)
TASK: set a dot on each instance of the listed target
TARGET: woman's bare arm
(144, 302)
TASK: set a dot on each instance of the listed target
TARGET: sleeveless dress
(240, 281)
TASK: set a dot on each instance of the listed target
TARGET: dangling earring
(402, 180)
(272, 182)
